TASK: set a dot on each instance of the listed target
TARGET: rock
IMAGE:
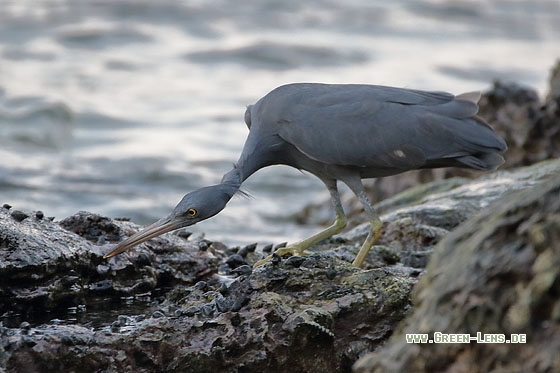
(235, 260)
(46, 267)
(499, 273)
(92, 227)
(286, 315)
(554, 83)
(19, 215)
(530, 127)
(244, 251)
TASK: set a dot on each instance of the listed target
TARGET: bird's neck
(233, 178)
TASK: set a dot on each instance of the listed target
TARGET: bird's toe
(293, 250)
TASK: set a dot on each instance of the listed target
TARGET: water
(121, 107)
(98, 313)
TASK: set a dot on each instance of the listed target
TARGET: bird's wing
(376, 126)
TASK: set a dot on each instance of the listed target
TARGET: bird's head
(194, 207)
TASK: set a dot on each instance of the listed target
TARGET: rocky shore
(460, 253)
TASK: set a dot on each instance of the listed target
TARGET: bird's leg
(339, 224)
(374, 221)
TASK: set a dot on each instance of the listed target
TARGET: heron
(344, 133)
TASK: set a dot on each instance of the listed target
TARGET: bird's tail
(477, 145)
(483, 162)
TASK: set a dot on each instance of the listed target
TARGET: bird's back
(381, 130)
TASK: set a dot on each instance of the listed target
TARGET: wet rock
(19, 215)
(223, 304)
(496, 274)
(504, 92)
(225, 269)
(247, 249)
(115, 327)
(235, 260)
(208, 309)
(25, 326)
(243, 270)
(191, 311)
(183, 233)
(203, 245)
(46, 267)
(530, 127)
(295, 261)
(304, 312)
(92, 227)
(554, 83)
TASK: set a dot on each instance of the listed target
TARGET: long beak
(160, 227)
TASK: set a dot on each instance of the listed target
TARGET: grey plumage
(365, 126)
(347, 133)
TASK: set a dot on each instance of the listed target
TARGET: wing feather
(377, 126)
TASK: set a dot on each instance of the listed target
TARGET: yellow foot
(374, 233)
(293, 250)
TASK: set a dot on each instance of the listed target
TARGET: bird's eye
(191, 212)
